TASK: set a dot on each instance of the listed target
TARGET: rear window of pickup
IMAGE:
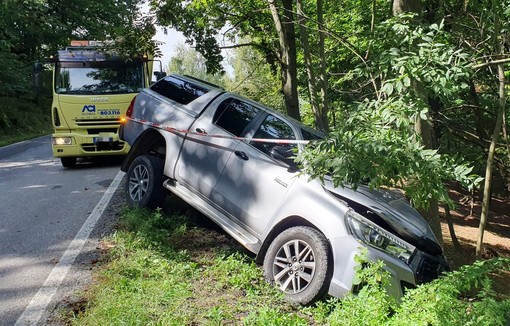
(178, 90)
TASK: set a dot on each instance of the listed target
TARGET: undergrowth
(166, 270)
(22, 119)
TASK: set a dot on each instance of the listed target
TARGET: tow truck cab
(92, 89)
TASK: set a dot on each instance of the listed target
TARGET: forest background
(413, 94)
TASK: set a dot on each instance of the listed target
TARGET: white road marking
(33, 312)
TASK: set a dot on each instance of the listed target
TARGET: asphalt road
(43, 206)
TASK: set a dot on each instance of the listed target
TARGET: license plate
(103, 140)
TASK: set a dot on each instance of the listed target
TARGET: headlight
(373, 235)
(61, 141)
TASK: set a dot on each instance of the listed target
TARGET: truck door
(203, 157)
(253, 184)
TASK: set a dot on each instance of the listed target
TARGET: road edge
(40, 302)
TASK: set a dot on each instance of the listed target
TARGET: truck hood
(394, 209)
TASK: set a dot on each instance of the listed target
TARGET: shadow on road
(95, 162)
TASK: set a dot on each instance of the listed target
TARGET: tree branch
(257, 45)
(491, 63)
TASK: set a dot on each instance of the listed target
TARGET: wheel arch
(284, 224)
(144, 182)
(149, 142)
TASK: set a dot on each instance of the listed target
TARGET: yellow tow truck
(92, 90)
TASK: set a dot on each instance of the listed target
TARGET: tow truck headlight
(61, 141)
(373, 235)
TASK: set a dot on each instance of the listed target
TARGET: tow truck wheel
(298, 262)
(144, 184)
(68, 162)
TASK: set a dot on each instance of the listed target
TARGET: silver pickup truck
(231, 158)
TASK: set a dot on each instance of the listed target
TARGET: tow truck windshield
(104, 77)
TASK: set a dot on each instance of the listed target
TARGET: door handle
(201, 131)
(241, 155)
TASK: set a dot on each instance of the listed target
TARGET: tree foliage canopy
(376, 142)
(32, 30)
(412, 91)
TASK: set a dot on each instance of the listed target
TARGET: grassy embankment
(177, 270)
(20, 121)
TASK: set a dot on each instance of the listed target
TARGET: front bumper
(422, 268)
(89, 145)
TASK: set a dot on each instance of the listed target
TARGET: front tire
(298, 263)
(144, 184)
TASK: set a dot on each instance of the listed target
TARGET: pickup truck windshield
(105, 77)
(178, 90)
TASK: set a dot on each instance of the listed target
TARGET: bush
(22, 118)
(463, 297)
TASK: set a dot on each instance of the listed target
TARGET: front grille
(429, 267)
(102, 122)
(97, 131)
(103, 147)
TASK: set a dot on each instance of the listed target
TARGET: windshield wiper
(119, 91)
(78, 92)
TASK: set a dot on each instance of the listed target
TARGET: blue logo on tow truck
(88, 108)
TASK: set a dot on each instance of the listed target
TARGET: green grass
(176, 270)
(21, 136)
(167, 271)
(22, 119)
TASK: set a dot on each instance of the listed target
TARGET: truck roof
(81, 54)
(70, 55)
(87, 50)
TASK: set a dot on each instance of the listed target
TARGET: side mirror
(159, 74)
(285, 155)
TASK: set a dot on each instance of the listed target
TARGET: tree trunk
(400, 6)
(505, 136)
(490, 161)
(480, 122)
(312, 89)
(372, 20)
(286, 35)
(323, 74)
(431, 215)
(449, 220)
(425, 129)
(500, 46)
(422, 127)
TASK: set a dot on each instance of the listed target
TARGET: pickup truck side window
(234, 116)
(311, 134)
(178, 90)
(273, 128)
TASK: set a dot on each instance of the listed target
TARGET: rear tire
(68, 162)
(144, 184)
(298, 262)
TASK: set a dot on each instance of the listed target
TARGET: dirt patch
(466, 221)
